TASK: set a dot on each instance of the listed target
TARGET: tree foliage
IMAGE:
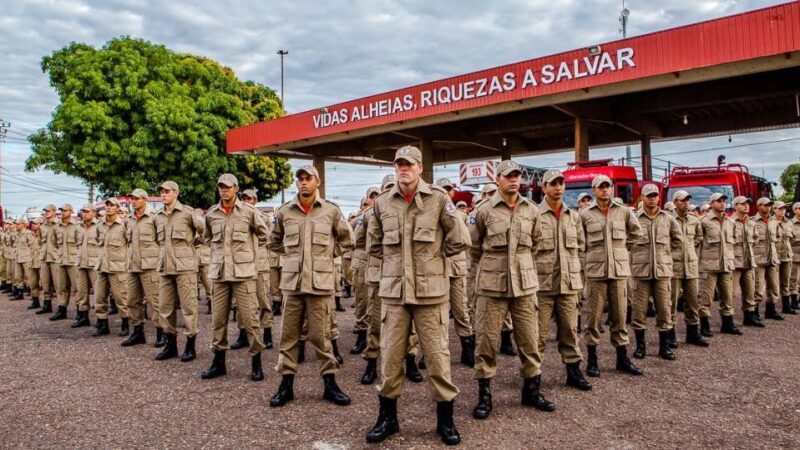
(789, 182)
(133, 114)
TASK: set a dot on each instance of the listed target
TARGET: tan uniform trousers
(614, 292)
(489, 318)
(316, 311)
(333, 325)
(784, 277)
(361, 299)
(745, 279)
(458, 305)
(337, 278)
(767, 284)
(431, 322)
(794, 280)
(117, 285)
(205, 281)
(47, 276)
(143, 293)
(183, 287)
(221, 303)
(373, 350)
(565, 307)
(691, 311)
(265, 318)
(86, 281)
(274, 284)
(3, 265)
(18, 280)
(347, 271)
(722, 283)
(30, 276)
(661, 290)
(67, 284)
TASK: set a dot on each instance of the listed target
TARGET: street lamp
(282, 53)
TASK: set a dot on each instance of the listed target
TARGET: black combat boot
(301, 351)
(787, 305)
(34, 303)
(137, 337)
(276, 308)
(339, 306)
(412, 372)
(705, 327)
(663, 346)
(445, 427)
(332, 392)
(756, 312)
(101, 328)
(728, 327)
(772, 313)
(336, 354)
(268, 338)
(16, 294)
(693, 336)
(484, 406)
(161, 338)
(112, 306)
(241, 341)
(81, 320)
(189, 353)
(285, 392)
(386, 424)
(506, 347)
(256, 374)
(641, 345)
(370, 372)
(170, 349)
(60, 314)
(673, 339)
(361, 342)
(575, 377)
(217, 368)
(347, 291)
(124, 328)
(795, 302)
(752, 320)
(47, 307)
(592, 369)
(468, 351)
(532, 397)
(624, 364)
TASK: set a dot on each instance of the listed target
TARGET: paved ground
(60, 388)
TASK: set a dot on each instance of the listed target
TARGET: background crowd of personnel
(502, 269)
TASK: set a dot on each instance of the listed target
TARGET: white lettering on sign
(532, 78)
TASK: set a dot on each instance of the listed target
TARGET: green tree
(789, 181)
(133, 114)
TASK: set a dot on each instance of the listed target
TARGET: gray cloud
(338, 51)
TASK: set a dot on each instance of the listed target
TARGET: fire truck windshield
(573, 190)
(701, 194)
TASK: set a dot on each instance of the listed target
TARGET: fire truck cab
(579, 175)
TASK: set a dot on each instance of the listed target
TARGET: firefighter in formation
(503, 268)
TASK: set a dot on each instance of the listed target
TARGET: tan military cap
(249, 193)
(489, 188)
(740, 199)
(764, 201)
(779, 205)
(139, 193)
(227, 179)
(796, 205)
(50, 207)
(309, 169)
(169, 185)
(408, 153)
(583, 195)
(88, 207)
(507, 167)
(717, 196)
(388, 181)
(552, 175)
(681, 195)
(445, 183)
(112, 201)
(669, 206)
(600, 179)
(705, 207)
(66, 207)
(373, 190)
(649, 189)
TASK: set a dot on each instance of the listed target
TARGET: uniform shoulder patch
(450, 207)
(472, 220)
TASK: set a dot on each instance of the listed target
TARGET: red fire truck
(579, 175)
(730, 179)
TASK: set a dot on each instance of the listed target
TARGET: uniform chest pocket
(216, 232)
(571, 237)
(178, 234)
(241, 231)
(548, 238)
(497, 234)
(760, 233)
(322, 234)
(594, 232)
(424, 230)
(525, 229)
(645, 239)
(391, 230)
(291, 235)
(713, 236)
(618, 230)
(662, 235)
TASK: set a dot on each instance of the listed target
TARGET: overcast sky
(339, 50)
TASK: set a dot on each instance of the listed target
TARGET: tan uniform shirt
(175, 233)
(796, 241)
(142, 245)
(373, 274)
(765, 249)
(11, 245)
(359, 225)
(89, 247)
(716, 251)
(309, 242)
(504, 241)
(47, 243)
(202, 250)
(25, 243)
(413, 238)
(558, 256)
(651, 254)
(233, 250)
(457, 264)
(783, 243)
(262, 250)
(684, 253)
(608, 236)
(68, 238)
(744, 235)
(113, 242)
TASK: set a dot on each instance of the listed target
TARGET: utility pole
(3, 132)
(282, 53)
(623, 20)
(91, 193)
